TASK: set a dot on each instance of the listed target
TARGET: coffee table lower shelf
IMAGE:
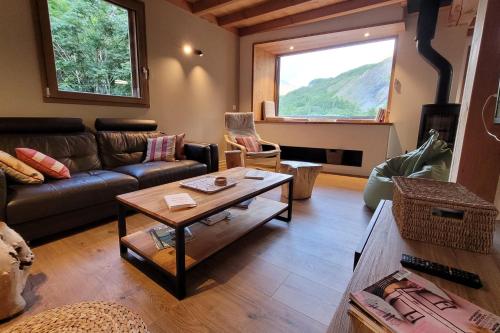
(207, 239)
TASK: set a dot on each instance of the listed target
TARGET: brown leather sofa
(103, 164)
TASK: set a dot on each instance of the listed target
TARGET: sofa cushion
(45, 164)
(161, 149)
(123, 148)
(180, 153)
(84, 189)
(157, 173)
(19, 170)
(77, 151)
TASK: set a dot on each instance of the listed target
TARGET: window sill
(307, 121)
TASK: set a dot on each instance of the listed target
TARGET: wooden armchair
(242, 124)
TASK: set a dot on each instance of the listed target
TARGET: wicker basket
(443, 213)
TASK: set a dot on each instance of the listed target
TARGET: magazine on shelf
(245, 204)
(405, 302)
(211, 220)
(164, 236)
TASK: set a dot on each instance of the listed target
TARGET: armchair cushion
(250, 143)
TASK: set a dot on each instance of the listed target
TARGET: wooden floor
(279, 278)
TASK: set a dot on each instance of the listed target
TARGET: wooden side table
(304, 176)
(233, 158)
(380, 254)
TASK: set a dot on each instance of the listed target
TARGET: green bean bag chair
(431, 160)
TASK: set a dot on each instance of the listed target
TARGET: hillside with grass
(358, 93)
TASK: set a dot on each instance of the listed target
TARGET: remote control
(449, 273)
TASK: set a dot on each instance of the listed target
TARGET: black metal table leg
(290, 201)
(180, 276)
(288, 217)
(122, 227)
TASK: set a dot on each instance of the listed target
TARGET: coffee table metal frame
(180, 277)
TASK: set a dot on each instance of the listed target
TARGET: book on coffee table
(406, 302)
(179, 201)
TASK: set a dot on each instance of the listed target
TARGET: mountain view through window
(344, 82)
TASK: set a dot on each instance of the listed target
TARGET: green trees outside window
(91, 42)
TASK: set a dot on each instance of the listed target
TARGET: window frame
(391, 82)
(138, 52)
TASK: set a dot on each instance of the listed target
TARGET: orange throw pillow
(250, 143)
(18, 170)
(43, 163)
(179, 147)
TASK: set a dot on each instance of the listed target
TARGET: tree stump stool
(304, 176)
(233, 158)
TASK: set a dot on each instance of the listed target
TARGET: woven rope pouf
(83, 317)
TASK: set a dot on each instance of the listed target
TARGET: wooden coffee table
(207, 239)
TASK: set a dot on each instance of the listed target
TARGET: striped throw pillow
(43, 163)
(161, 149)
(250, 143)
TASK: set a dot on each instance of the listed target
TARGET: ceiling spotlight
(367, 34)
(291, 48)
(187, 49)
(199, 53)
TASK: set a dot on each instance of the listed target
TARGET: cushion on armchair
(250, 143)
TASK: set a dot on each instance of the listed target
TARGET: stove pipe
(441, 116)
(426, 28)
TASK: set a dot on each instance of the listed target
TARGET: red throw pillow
(179, 146)
(43, 163)
(250, 143)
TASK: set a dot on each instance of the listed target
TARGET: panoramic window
(94, 51)
(350, 81)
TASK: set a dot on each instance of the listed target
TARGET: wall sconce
(188, 50)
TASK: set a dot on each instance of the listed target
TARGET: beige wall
(376, 16)
(418, 79)
(187, 94)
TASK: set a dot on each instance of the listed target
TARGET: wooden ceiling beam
(318, 14)
(232, 19)
(181, 4)
(203, 7)
(462, 12)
